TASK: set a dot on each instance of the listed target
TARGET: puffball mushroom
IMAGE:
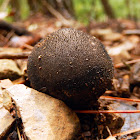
(72, 66)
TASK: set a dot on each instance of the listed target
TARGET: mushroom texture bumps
(72, 66)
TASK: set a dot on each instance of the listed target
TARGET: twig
(120, 65)
(108, 130)
(121, 134)
(120, 99)
(26, 46)
(127, 132)
(106, 111)
(110, 135)
(110, 91)
(9, 27)
(9, 55)
(18, 133)
(55, 13)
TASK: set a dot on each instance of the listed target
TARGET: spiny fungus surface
(71, 66)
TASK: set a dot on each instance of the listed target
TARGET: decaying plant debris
(126, 81)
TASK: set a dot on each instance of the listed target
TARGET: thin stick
(27, 46)
(55, 13)
(108, 131)
(121, 134)
(19, 136)
(120, 65)
(120, 99)
(106, 111)
(110, 91)
(9, 55)
(127, 132)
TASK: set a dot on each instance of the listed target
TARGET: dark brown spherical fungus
(71, 66)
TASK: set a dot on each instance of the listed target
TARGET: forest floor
(121, 39)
